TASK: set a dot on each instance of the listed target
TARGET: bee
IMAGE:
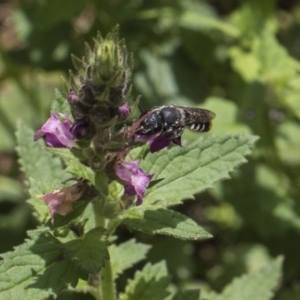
(171, 120)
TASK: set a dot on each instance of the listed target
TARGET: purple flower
(157, 141)
(82, 129)
(60, 201)
(136, 180)
(124, 110)
(57, 132)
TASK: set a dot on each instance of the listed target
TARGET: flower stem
(98, 207)
(106, 289)
(112, 225)
(107, 282)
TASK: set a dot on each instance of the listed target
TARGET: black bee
(172, 120)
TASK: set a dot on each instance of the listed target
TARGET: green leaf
(292, 293)
(35, 161)
(276, 65)
(78, 209)
(10, 189)
(290, 94)
(36, 270)
(73, 164)
(255, 183)
(60, 104)
(42, 212)
(148, 284)
(255, 285)
(245, 63)
(194, 167)
(159, 79)
(125, 255)
(198, 16)
(36, 189)
(245, 18)
(156, 220)
(115, 191)
(287, 142)
(88, 252)
(187, 295)
(51, 13)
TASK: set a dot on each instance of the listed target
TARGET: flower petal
(64, 208)
(126, 169)
(57, 132)
(158, 144)
(82, 129)
(135, 179)
(54, 200)
(140, 183)
(158, 141)
(60, 201)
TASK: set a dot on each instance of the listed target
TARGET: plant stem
(112, 225)
(98, 207)
(106, 289)
(107, 282)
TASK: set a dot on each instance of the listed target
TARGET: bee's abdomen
(200, 126)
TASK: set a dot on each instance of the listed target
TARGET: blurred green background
(239, 59)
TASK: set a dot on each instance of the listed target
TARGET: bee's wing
(212, 114)
(198, 119)
(206, 114)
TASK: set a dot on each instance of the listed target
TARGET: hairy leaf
(127, 254)
(36, 269)
(88, 252)
(194, 167)
(35, 161)
(37, 189)
(157, 220)
(148, 284)
(73, 164)
(60, 104)
(60, 221)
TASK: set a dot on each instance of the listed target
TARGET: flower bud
(105, 70)
(60, 201)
